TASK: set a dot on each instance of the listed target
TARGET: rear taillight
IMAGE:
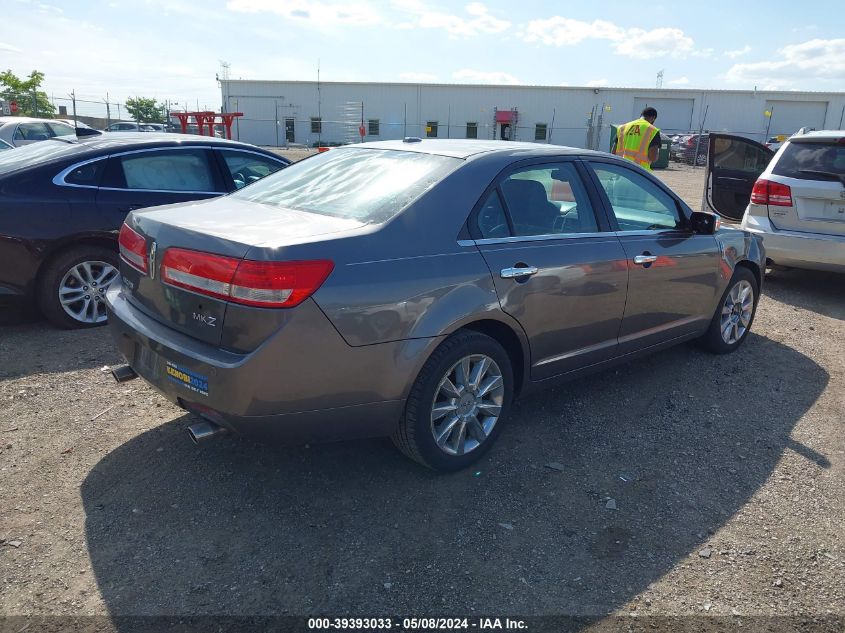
(133, 248)
(771, 193)
(253, 283)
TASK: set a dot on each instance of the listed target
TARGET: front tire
(734, 314)
(73, 286)
(457, 404)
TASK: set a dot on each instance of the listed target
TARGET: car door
(735, 164)
(150, 177)
(243, 167)
(557, 268)
(673, 272)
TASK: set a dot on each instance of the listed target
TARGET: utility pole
(73, 101)
(277, 123)
(34, 103)
(319, 108)
(552, 127)
(108, 112)
(405, 122)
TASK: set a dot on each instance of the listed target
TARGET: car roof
(116, 139)
(24, 119)
(820, 134)
(466, 148)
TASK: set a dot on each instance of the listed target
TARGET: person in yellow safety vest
(640, 140)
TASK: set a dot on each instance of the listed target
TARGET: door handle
(524, 271)
(645, 259)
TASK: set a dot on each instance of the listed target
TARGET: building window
(541, 132)
(472, 130)
(431, 129)
(316, 125)
(372, 126)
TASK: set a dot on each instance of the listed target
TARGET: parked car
(352, 295)
(130, 126)
(19, 130)
(62, 204)
(794, 200)
(693, 151)
(774, 142)
(676, 146)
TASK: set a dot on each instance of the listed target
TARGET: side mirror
(705, 223)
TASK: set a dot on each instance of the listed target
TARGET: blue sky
(166, 49)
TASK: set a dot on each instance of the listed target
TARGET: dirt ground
(683, 484)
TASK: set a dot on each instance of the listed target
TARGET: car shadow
(819, 292)
(678, 441)
(81, 349)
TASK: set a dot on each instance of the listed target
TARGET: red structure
(207, 118)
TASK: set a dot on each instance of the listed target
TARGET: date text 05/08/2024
(417, 624)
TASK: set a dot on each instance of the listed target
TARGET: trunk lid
(224, 226)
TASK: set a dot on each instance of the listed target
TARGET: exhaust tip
(124, 373)
(204, 430)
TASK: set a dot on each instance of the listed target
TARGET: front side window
(167, 170)
(246, 167)
(637, 203)
(365, 185)
(431, 129)
(547, 199)
(316, 125)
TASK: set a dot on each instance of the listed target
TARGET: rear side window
(367, 185)
(166, 170)
(247, 167)
(32, 132)
(802, 159)
(87, 175)
(548, 199)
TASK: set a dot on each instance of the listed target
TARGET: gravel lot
(680, 484)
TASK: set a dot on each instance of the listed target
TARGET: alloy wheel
(83, 288)
(467, 404)
(736, 312)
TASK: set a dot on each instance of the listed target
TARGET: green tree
(145, 110)
(31, 101)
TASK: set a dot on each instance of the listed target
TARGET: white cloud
(680, 81)
(814, 59)
(9, 48)
(418, 77)
(738, 52)
(480, 77)
(630, 42)
(321, 15)
(477, 21)
(597, 83)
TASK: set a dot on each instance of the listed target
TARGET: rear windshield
(368, 185)
(801, 158)
(34, 153)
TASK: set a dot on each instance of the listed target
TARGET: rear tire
(71, 293)
(457, 404)
(734, 314)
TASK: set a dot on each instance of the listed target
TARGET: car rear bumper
(813, 251)
(303, 384)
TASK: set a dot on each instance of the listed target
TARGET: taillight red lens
(771, 193)
(248, 282)
(133, 248)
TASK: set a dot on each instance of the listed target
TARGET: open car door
(734, 163)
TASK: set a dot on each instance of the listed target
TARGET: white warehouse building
(279, 113)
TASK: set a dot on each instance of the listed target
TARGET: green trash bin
(613, 129)
(662, 161)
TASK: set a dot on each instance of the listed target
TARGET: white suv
(797, 203)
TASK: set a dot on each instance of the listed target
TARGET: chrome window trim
(249, 151)
(651, 233)
(59, 179)
(534, 238)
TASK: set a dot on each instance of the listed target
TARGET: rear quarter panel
(739, 246)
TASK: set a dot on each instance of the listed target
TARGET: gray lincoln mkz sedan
(413, 288)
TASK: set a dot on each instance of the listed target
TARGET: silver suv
(795, 200)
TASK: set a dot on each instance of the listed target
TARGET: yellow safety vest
(633, 139)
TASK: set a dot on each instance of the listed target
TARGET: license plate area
(835, 210)
(146, 361)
